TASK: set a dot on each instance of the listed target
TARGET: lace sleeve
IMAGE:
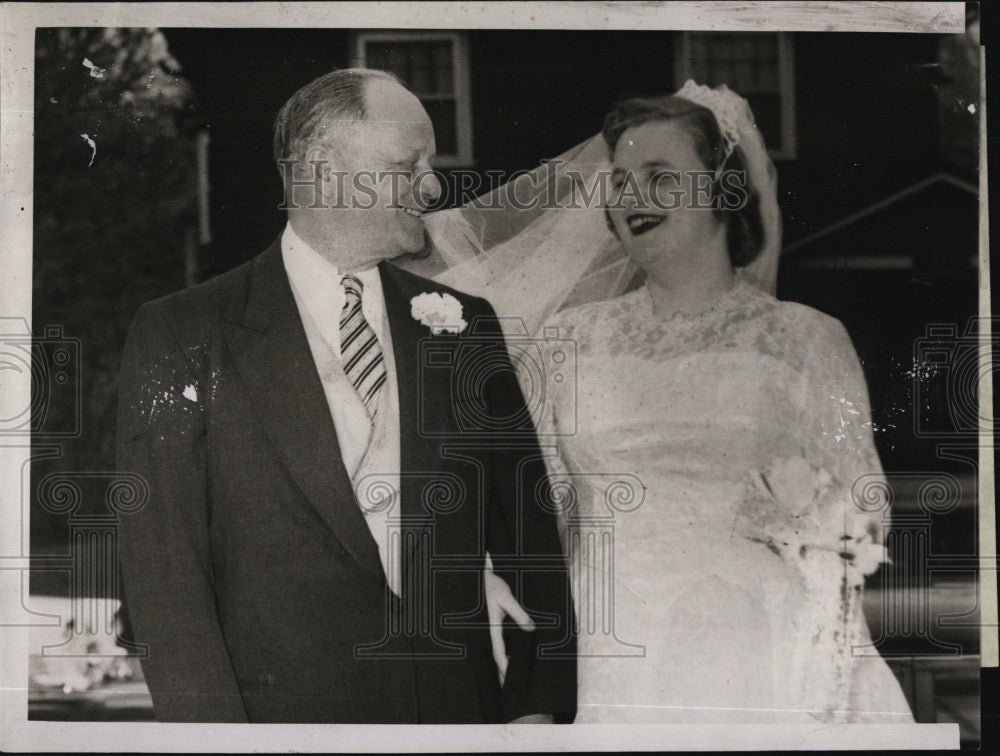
(836, 437)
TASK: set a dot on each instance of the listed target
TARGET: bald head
(317, 109)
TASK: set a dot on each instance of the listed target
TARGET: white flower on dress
(442, 313)
(792, 505)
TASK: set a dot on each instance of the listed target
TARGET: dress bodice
(707, 471)
(692, 406)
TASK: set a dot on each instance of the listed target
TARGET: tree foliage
(109, 226)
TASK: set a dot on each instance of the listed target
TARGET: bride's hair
(744, 229)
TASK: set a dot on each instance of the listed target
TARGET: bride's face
(660, 202)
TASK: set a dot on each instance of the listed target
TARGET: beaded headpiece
(725, 106)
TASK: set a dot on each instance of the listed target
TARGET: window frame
(463, 158)
(787, 150)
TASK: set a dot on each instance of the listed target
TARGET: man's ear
(318, 155)
(319, 164)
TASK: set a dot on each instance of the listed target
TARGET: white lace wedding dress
(712, 459)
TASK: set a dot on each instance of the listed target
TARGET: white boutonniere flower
(442, 313)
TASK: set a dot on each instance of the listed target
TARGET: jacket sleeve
(166, 564)
(524, 543)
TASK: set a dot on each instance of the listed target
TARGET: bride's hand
(500, 603)
(865, 545)
(861, 545)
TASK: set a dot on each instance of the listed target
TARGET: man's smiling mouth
(640, 224)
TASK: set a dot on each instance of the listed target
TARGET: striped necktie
(360, 352)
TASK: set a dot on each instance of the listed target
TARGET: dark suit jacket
(251, 574)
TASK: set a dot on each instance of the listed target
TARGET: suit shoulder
(189, 310)
(197, 296)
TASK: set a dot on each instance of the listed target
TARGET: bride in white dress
(709, 452)
(733, 591)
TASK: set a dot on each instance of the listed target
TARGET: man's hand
(500, 603)
(534, 719)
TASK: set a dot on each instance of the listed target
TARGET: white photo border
(18, 22)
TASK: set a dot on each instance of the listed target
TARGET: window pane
(426, 67)
(722, 73)
(744, 78)
(746, 62)
(768, 72)
(767, 113)
(743, 47)
(380, 55)
(442, 65)
(420, 78)
(699, 70)
(442, 113)
(697, 46)
(767, 45)
(750, 64)
(719, 48)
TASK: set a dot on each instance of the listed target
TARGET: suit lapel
(423, 395)
(269, 345)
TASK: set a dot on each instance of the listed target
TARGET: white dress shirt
(370, 450)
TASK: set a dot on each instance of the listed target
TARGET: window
(435, 66)
(756, 65)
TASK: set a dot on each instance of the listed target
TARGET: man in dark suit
(324, 482)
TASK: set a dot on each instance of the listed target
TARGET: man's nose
(428, 186)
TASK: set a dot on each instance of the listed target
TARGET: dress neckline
(735, 297)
